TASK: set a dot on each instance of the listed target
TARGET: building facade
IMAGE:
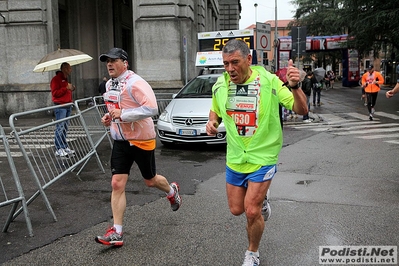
(160, 37)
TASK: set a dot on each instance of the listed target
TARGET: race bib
(370, 78)
(111, 99)
(243, 105)
(243, 118)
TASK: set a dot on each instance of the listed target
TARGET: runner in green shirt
(246, 98)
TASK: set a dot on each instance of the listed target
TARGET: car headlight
(164, 116)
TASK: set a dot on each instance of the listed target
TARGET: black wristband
(292, 88)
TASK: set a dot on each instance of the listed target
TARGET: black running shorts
(124, 155)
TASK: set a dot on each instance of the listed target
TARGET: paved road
(326, 193)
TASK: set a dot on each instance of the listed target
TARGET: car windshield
(200, 87)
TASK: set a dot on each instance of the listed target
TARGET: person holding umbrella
(61, 93)
(317, 85)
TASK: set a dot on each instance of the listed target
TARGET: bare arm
(213, 123)
(300, 103)
(293, 77)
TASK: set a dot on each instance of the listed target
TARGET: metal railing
(37, 144)
(11, 192)
(91, 115)
(163, 99)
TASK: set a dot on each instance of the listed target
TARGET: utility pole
(275, 37)
(256, 13)
(299, 45)
(256, 21)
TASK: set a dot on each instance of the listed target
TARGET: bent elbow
(303, 110)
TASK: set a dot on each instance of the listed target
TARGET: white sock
(253, 252)
(171, 191)
(118, 228)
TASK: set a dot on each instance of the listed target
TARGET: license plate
(188, 132)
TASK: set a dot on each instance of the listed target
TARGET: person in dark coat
(307, 89)
(101, 87)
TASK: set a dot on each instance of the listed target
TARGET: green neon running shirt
(242, 108)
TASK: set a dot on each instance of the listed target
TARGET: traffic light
(264, 59)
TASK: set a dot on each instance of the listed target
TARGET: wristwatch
(298, 85)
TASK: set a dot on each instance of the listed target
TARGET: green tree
(372, 25)
(319, 16)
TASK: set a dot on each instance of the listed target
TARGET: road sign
(263, 36)
(298, 40)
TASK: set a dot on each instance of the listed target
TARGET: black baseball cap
(370, 67)
(114, 53)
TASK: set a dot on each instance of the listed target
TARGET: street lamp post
(275, 36)
(256, 21)
(256, 13)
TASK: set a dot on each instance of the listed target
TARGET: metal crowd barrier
(37, 144)
(92, 110)
(11, 192)
(98, 101)
(163, 99)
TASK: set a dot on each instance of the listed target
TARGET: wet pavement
(312, 205)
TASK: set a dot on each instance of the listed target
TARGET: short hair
(64, 65)
(309, 73)
(236, 45)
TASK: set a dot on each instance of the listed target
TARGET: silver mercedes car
(184, 119)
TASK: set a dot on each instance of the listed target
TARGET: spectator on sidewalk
(101, 87)
(307, 89)
(61, 93)
(316, 88)
(331, 78)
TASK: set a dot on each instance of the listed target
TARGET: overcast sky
(265, 11)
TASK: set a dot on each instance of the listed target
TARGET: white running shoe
(251, 259)
(61, 153)
(266, 209)
(69, 151)
(175, 199)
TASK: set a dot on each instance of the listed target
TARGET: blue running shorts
(265, 173)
